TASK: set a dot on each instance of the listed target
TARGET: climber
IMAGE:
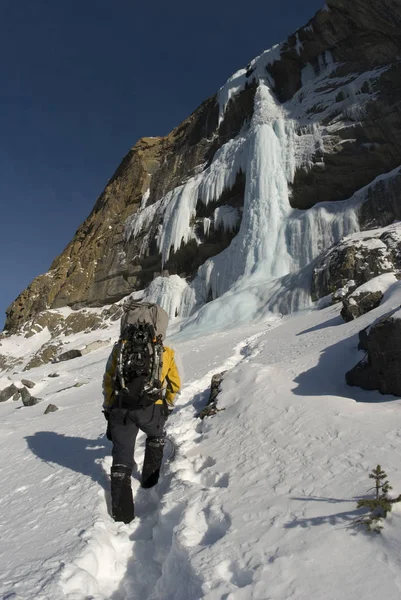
(139, 385)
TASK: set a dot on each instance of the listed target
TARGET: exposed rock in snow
(360, 303)
(46, 354)
(69, 355)
(215, 387)
(367, 296)
(381, 368)
(27, 383)
(27, 399)
(50, 408)
(9, 362)
(357, 259)
(31, 401)
(8, 392)
(25, 395)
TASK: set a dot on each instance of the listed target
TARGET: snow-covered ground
(257, 503)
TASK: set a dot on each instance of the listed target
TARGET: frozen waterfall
(265, 268)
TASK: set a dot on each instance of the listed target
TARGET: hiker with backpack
(139, 385)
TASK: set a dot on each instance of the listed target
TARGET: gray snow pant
(124, 427)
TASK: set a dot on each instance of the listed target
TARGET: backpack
(140, 354)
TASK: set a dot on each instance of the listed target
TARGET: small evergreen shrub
(378, 506)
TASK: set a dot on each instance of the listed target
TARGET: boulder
(50, 408)
(25, 395)
(27, 383)
(8, 392)
(358, 304)
(69, 355)
(367, 296)
(31, 401)
(27, 399)
(381, 367)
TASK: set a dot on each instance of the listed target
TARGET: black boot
(152, 461)
(122, 504)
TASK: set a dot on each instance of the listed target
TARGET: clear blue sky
(82, 80)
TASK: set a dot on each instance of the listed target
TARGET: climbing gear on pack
(140, 355)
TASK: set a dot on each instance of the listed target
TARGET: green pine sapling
(378, 506)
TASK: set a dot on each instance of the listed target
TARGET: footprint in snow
(229, 570)
(218, 523)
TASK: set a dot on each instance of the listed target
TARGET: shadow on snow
(346, 517)
(327, 378)
(334, 322)
(77, 454)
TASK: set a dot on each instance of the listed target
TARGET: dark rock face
(361, 35)
(381, 370)
(8, 392)
(358, 304)
(383, 205)
(51, 408)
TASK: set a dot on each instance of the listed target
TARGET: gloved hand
(170, 411)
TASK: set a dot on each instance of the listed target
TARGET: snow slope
(259, 500)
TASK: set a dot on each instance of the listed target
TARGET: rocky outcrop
(381, 368)
(215, 388)
(367, 296)
(7, 363)
(46, 354)
(57, 325)
(360, 139)
(76, 322)
(356, 260)
(358, 304)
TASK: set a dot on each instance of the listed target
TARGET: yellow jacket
(170, 378)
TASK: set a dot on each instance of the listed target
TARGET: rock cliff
(331, 94)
